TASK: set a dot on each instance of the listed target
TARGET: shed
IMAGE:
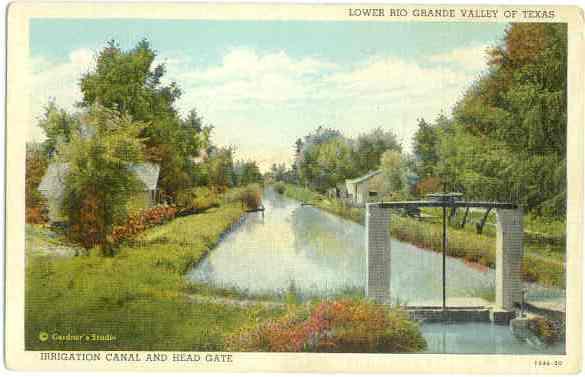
(52, 186)
(364, 188)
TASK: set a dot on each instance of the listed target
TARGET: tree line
(127, 116)
(325, 158)
(506, 137)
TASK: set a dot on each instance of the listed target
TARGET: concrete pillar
(509, 250)
(378, 253)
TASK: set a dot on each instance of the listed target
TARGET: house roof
(363, 177)
(147, 173)
(54, 179)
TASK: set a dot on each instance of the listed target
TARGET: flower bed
(333, 326)
(143, 220)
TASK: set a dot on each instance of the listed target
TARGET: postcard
(294, 187)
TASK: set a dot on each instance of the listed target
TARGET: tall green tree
(507, 138)
(426, 148)
(334, 163)
(129, 82)
(220, 168)
(370, 146)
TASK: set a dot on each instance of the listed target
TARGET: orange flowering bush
(144, 219)
(35, 215)
(333, 326)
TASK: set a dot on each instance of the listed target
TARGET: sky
(263, 84)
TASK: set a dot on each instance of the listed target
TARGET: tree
(100, 182)
(58, 126)
(309, 171)
(36, 166)
(278, 172)
(128, 82)
(521, 106)
(220, 168)
(392, 170)
(507, 136)
(247, 173)
(334, 163)
(370, 147)
(425, 148)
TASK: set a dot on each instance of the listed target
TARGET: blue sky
(262, 84)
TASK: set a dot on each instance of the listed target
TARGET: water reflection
(479, 338)
(322, 254)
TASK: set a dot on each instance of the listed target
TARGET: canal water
(305, 250)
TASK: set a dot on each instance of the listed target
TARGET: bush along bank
(138, 296)
(332, 326)
(474, 248)
(143, 220)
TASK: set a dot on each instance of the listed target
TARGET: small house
(366, 188)
(52, 187)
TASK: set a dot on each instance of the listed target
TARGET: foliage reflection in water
(317, 254)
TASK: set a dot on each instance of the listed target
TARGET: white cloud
(471, 58)
(261, 102)
(58, 81)
(248, 65)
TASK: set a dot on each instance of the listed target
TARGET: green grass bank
(137, 296)
(543, 263)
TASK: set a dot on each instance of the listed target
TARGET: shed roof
(363, 177)
(147, 173)
(54, 179)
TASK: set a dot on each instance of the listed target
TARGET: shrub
(36, 215)
(333, 326)
(99, 182)
(87, 219)
(545, 330)
(143, 220)
(35, 203)
(249, 196)
(196, 199)
(280, 187)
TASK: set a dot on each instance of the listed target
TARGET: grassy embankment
(138, 296)
(543, 263)
(141, 297)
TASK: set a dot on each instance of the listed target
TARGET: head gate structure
(509, 246)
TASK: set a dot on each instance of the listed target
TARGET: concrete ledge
(501, 317)
(449, 315)
(462, 314)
